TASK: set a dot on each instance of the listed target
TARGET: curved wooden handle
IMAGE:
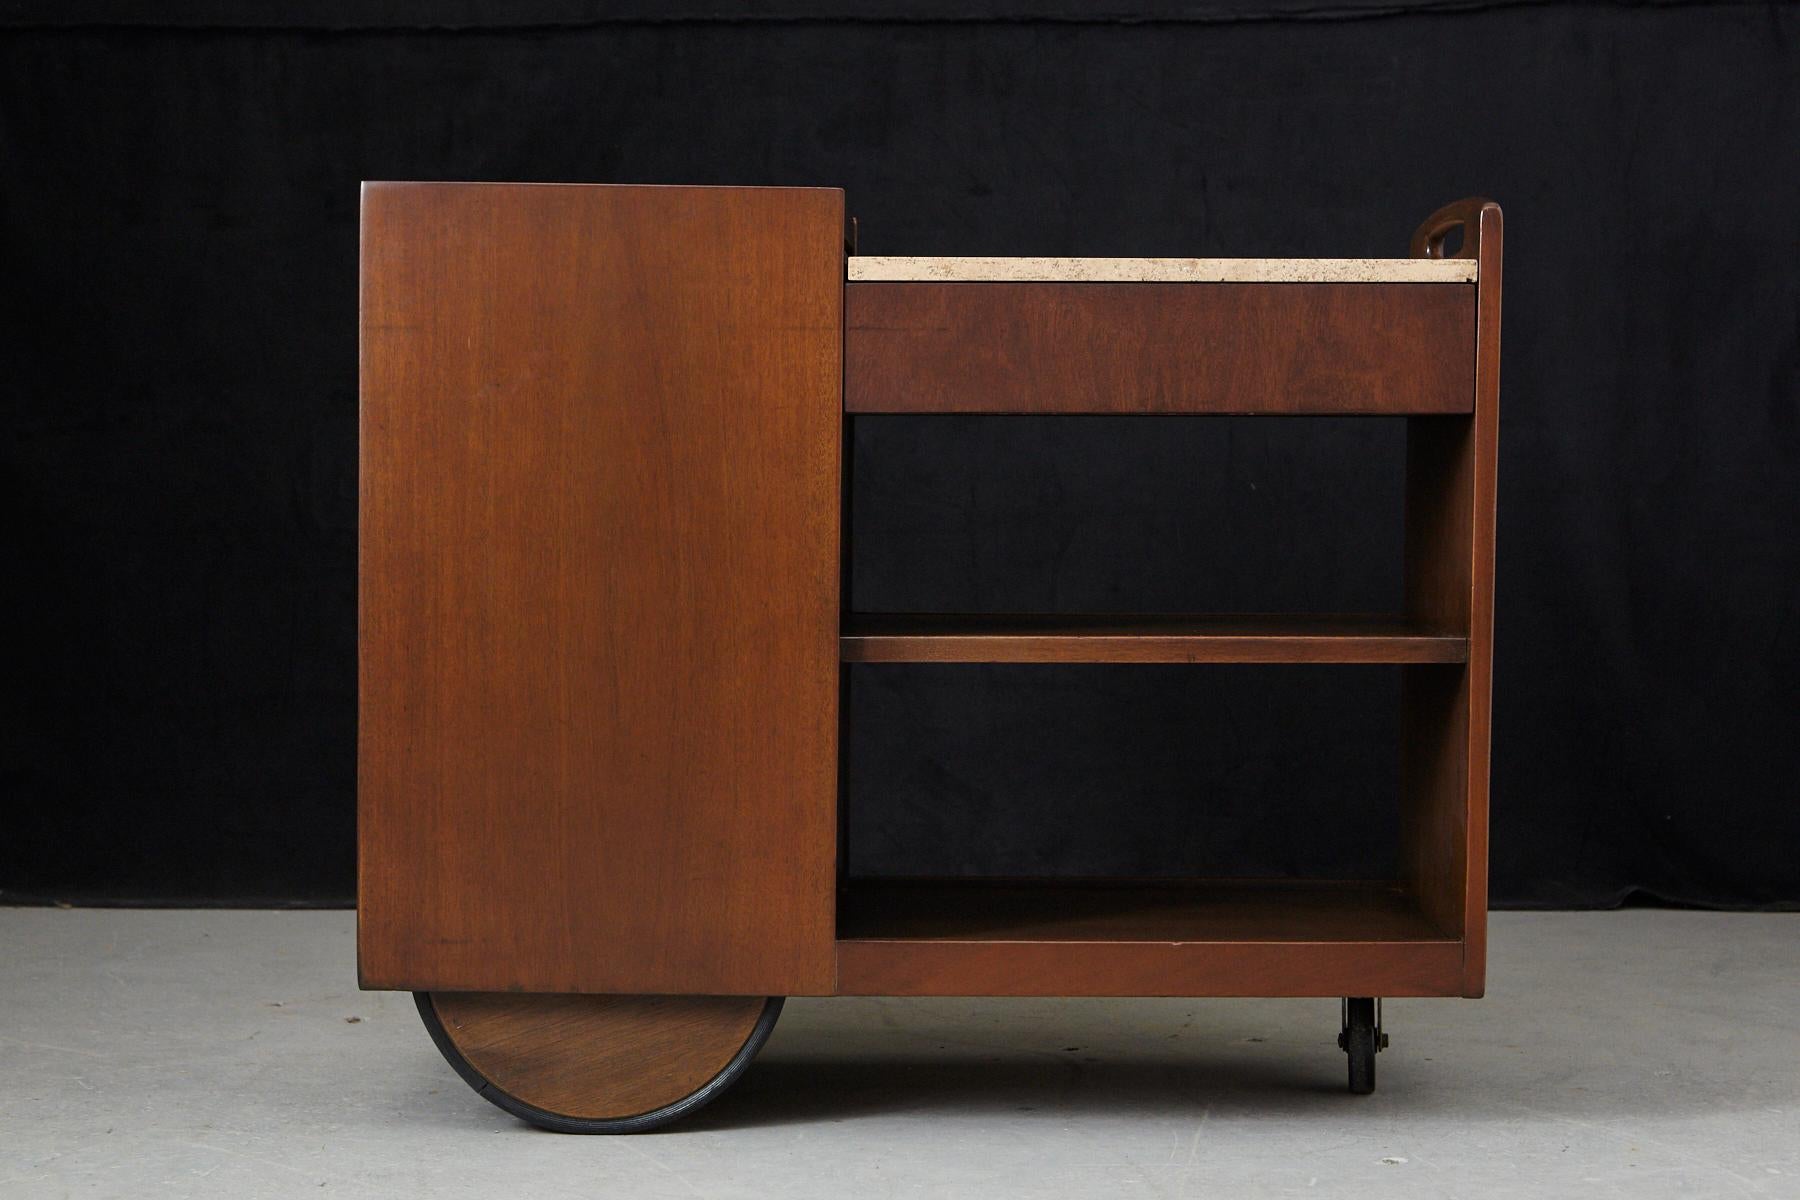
(1428, 239)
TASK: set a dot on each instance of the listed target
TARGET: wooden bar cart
(603, 643)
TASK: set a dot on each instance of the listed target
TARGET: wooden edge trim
(881, 967)
(1027, 647)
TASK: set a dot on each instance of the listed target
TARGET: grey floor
(1636, 1054)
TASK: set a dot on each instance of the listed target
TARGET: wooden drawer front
(1159, 348)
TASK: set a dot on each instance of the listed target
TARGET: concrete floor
(1635, 1054)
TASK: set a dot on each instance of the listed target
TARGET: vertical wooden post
(1446, 711)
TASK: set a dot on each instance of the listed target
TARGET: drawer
(1228, 347)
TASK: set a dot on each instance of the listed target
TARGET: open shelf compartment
(956, 338)
(1217, 937)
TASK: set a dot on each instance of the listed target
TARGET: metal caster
(1362, 1039)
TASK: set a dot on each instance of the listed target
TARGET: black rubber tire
(638, 1123)
(1359, 1044)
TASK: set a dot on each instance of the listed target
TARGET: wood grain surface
(1203, 938)
(597, 1057)
(1446, 713)
(1157, 348)
(1142, 638)
(599, 588)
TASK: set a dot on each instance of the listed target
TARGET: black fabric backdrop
(179, 224)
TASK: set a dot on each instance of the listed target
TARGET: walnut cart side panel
(599, 588)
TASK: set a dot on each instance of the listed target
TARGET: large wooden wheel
(598, 1064)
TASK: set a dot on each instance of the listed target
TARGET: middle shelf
(1145, 638)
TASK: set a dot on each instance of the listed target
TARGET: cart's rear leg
(1362, 1039)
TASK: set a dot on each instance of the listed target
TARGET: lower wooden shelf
(1144, 638)
(1204, 938)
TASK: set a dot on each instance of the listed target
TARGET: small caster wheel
(1362, 1039)
(597, 1064)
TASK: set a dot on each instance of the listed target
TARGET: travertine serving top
(1162, 270)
